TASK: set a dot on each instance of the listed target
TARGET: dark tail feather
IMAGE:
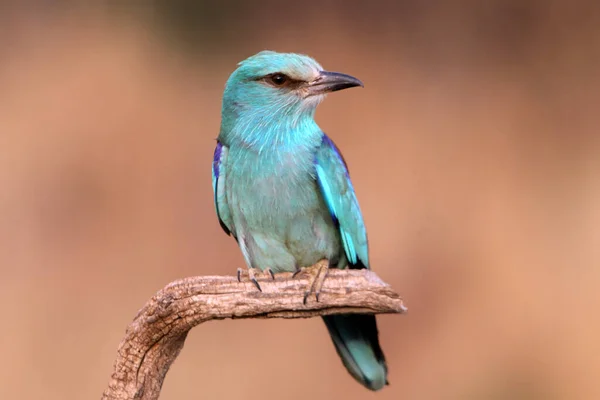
(356, 340)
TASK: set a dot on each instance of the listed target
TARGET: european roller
(282, 189)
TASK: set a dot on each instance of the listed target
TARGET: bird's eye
(278, 79)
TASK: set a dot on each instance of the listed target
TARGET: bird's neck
(263, 132)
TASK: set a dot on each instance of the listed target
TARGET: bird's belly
(283, 219)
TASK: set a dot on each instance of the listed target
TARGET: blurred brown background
(474, 149)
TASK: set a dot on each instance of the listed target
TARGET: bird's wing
(334, 181)
(218, 183)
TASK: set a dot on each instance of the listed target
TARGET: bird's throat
(284, 135)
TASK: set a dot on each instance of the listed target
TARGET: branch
(157, 334)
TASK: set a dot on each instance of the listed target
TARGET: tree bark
(157, 334)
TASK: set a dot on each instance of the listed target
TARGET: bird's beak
(330, 82)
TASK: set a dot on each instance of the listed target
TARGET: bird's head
(278, 88)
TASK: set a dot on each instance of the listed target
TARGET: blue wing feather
(336, 187)
(218, 184)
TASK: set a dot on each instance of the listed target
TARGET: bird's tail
(356, 341)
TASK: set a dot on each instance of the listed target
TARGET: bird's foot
(317, 274)
(251, 276)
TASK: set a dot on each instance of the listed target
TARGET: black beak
(332, 81)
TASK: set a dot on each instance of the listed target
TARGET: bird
(282, 189)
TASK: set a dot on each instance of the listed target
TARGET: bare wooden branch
(157, 334)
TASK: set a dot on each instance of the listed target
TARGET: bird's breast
(278, 210)
(275, 184)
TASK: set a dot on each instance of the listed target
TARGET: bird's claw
(269, 272)
(306, 294)
(251, 277)
(317, 274)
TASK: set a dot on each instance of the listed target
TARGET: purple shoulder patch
(328, 142)
(217, 159)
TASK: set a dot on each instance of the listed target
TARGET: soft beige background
(474, 149)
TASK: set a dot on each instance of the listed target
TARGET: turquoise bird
(282, 189)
